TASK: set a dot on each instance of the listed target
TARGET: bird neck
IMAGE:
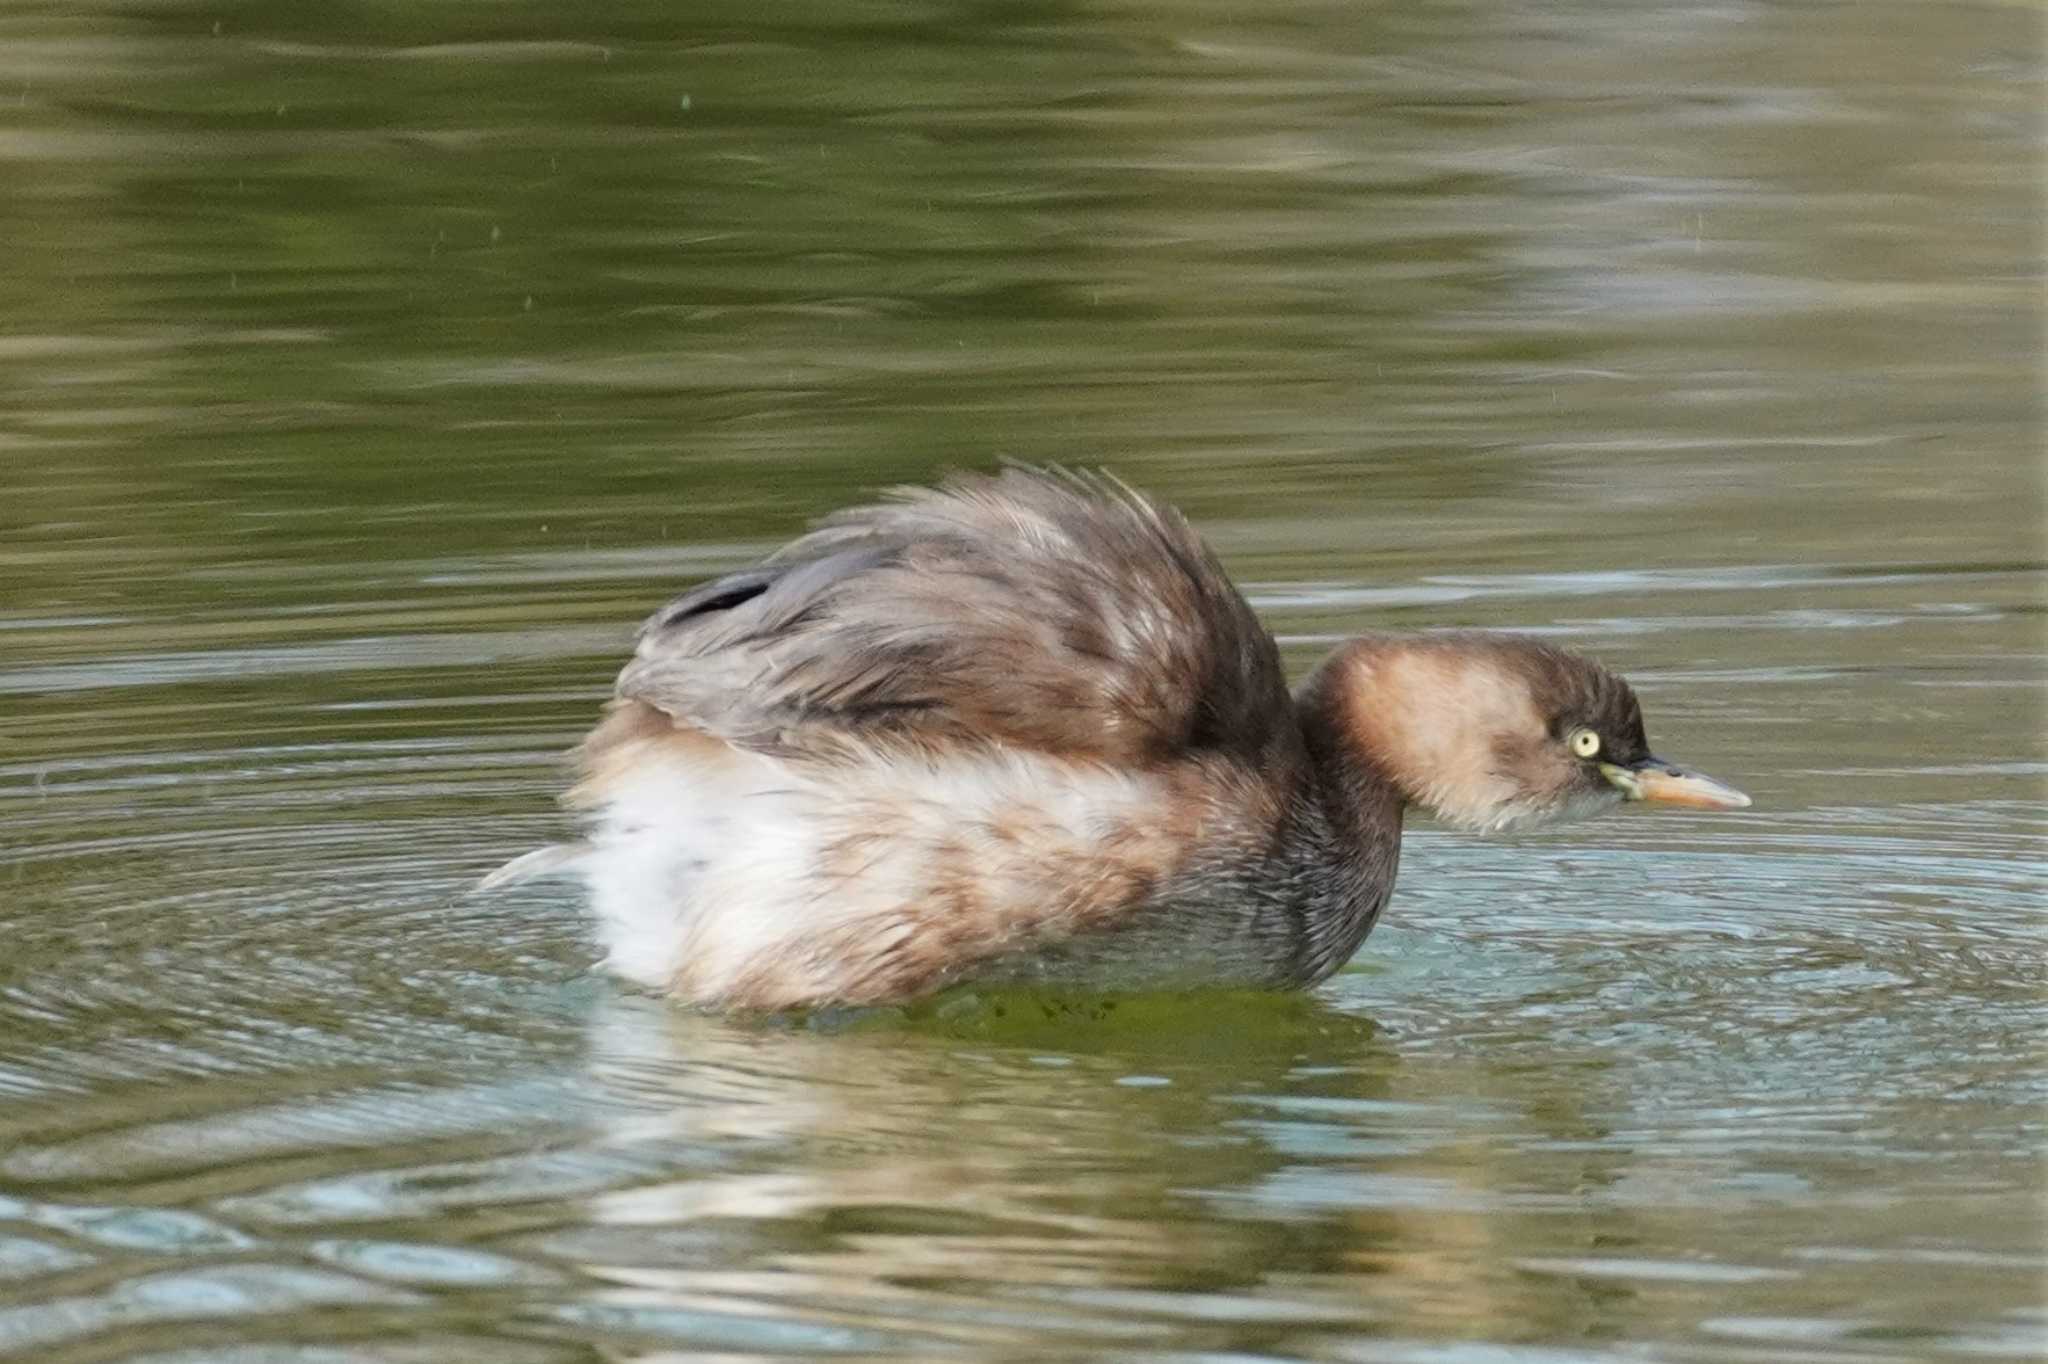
(1350, 824)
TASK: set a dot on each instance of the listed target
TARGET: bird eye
(1584, 742)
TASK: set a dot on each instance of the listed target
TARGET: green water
(367, 371)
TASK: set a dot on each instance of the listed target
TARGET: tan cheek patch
(1436, 722)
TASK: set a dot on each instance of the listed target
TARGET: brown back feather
(1050, 611)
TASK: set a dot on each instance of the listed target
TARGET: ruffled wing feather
(1053, 612)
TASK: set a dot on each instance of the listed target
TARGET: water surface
(371, 371)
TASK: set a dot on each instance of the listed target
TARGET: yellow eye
(1584, 742)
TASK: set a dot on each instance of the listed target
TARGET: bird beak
(1661, 783)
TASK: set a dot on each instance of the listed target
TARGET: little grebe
(1022, 728)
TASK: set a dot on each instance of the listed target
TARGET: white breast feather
(705, 863)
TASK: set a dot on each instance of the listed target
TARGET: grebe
(1022, 728)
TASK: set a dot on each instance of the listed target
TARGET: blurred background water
(370, 369)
